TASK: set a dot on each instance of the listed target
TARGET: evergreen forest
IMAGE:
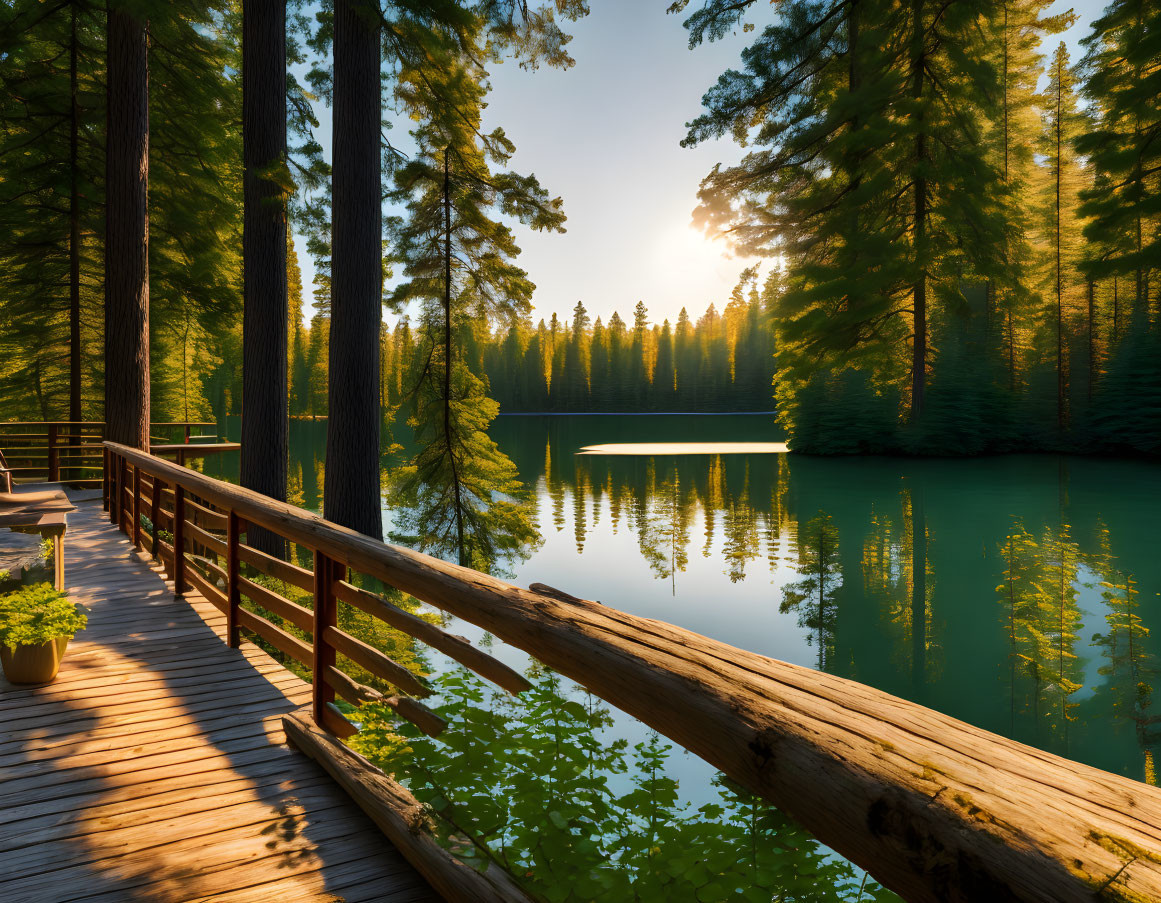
(946, 218)
(961, 221)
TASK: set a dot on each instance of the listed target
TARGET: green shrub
(36, 614)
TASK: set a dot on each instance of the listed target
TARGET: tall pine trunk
(1058, 238)
(1091, 313)
(265, 413)
(351, 496)
(853, 161)
(74, 232)
(1005, 76)
(919, 292)
(127, 231)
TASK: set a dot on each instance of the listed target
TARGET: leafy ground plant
(36, 614)
(538, 785)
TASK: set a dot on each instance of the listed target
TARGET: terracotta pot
(33, 664)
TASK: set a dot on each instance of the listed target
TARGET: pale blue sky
(604, 136)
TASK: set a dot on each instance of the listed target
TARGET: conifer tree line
(720, 362)
(970, 224)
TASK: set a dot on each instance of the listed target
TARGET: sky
(604, 135)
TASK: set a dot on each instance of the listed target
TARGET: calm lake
(1038, 576)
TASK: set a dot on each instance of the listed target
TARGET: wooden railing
(208, 521)
(71, 451)
(932, 807)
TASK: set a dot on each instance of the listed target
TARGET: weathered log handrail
(932, 807)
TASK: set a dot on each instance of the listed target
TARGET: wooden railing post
(178, 539)
(122, 485)
(105, 478)
(233, 598)
(155, 517)
(53, 454)
(325, 611)
(137, 507)
(111, 478)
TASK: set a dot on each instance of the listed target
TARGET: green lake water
(725, 545)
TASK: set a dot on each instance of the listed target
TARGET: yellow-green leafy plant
(36, 614)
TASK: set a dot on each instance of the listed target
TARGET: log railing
(72, 451)
(932, 807)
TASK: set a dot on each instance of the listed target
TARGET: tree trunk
(127, 232)
(351, 495)
(852, 160)
(74, 233)
(265, 413)
(447, 354)
(1060, 408)
(919, 342)
(1091, 337)
(1116, 314)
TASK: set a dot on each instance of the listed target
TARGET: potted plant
(36, 624)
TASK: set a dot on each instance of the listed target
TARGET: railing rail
(932, 807)
(72, 451)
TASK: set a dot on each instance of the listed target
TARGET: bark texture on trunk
(74, 232)
(351, 492)
(919, 292)
(265, 411)
(127, 232)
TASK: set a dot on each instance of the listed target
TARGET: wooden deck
(155, 767)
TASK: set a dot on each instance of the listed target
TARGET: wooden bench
(45, 511)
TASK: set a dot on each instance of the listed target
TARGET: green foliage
(460, 497)
(533, 784)
(52, 204)
(36, 614)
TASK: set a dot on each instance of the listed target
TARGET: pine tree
(665, 372)
(351, 496)
(458, 261)
(1019, 27)
(265, 404)
(1062, 125)
(1124, 86)
(127, 230)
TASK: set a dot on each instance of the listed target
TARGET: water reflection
(1015, 593)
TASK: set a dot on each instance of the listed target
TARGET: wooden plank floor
(155, 768)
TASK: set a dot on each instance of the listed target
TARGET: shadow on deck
(155, 766)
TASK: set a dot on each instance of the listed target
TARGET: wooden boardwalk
(155, 767)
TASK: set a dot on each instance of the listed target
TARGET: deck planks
(155, 766)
